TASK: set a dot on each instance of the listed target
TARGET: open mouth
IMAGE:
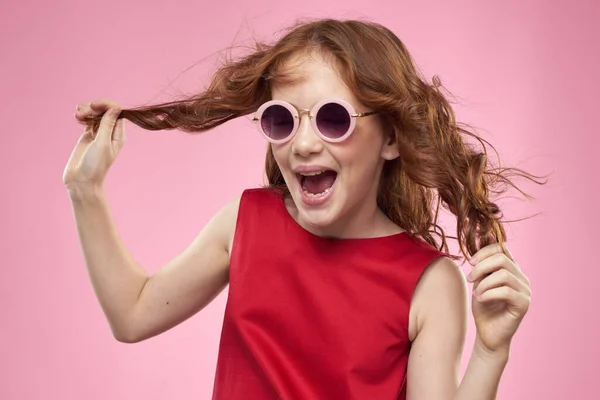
(318, 183)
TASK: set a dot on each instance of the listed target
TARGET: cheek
(279, 155)
(362, 159)
(282, 159)
(365, 147)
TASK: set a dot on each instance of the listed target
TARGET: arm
(441, 310)
(189, 282)
(138, 306)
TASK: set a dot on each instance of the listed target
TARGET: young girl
(340, 281)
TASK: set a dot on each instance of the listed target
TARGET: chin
(321, 217)
(320, 220)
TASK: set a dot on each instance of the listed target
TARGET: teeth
(323, 193)
(312, 173)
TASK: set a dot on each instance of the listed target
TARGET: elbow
(124, 329)
(125, 339)
(125, 335)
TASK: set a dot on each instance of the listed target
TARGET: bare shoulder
(441, 290)
(225, 221)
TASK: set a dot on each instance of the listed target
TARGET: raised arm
(189, 282)
(138, 306)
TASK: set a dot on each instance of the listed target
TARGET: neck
(364, 220)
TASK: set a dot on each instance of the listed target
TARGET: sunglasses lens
(333, 120)
(277, 122)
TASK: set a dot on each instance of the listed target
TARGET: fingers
(498, 279)
(499, 252)
(490, 265)
(489, 251)
(94, 108)
(102, 105)
(517, 302)
(83, 111)
(107, 125)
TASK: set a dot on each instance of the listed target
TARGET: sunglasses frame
(297, 113)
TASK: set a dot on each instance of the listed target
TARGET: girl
(340, 281)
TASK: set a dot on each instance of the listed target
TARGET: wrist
(84, 192)
(498, 356)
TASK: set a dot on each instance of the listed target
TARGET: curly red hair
(441, 163)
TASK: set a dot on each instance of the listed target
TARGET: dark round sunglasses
(333, 119)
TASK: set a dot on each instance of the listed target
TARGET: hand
(95, 152)
(501, 297)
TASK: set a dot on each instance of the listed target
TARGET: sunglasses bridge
(302, 111)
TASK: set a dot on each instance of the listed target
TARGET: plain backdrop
(525, 74)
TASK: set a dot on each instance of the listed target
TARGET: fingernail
(469, 277)
(473, 260)
(77, 108)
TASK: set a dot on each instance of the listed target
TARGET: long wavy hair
(442, 162)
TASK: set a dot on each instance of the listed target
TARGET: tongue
(319, 183)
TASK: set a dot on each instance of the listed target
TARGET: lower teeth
(309, 194)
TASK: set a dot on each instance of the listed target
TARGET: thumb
(107, 125)
(119, 132)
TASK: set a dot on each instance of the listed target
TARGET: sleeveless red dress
(315, 318)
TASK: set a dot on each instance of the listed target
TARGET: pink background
(527, 74)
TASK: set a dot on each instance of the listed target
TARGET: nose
(306, 141)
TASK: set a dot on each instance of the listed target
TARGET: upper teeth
(312, 173)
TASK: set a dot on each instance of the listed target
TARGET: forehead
(304, 79)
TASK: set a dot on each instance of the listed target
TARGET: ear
(389, 151)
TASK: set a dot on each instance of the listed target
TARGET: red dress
(315, 318)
